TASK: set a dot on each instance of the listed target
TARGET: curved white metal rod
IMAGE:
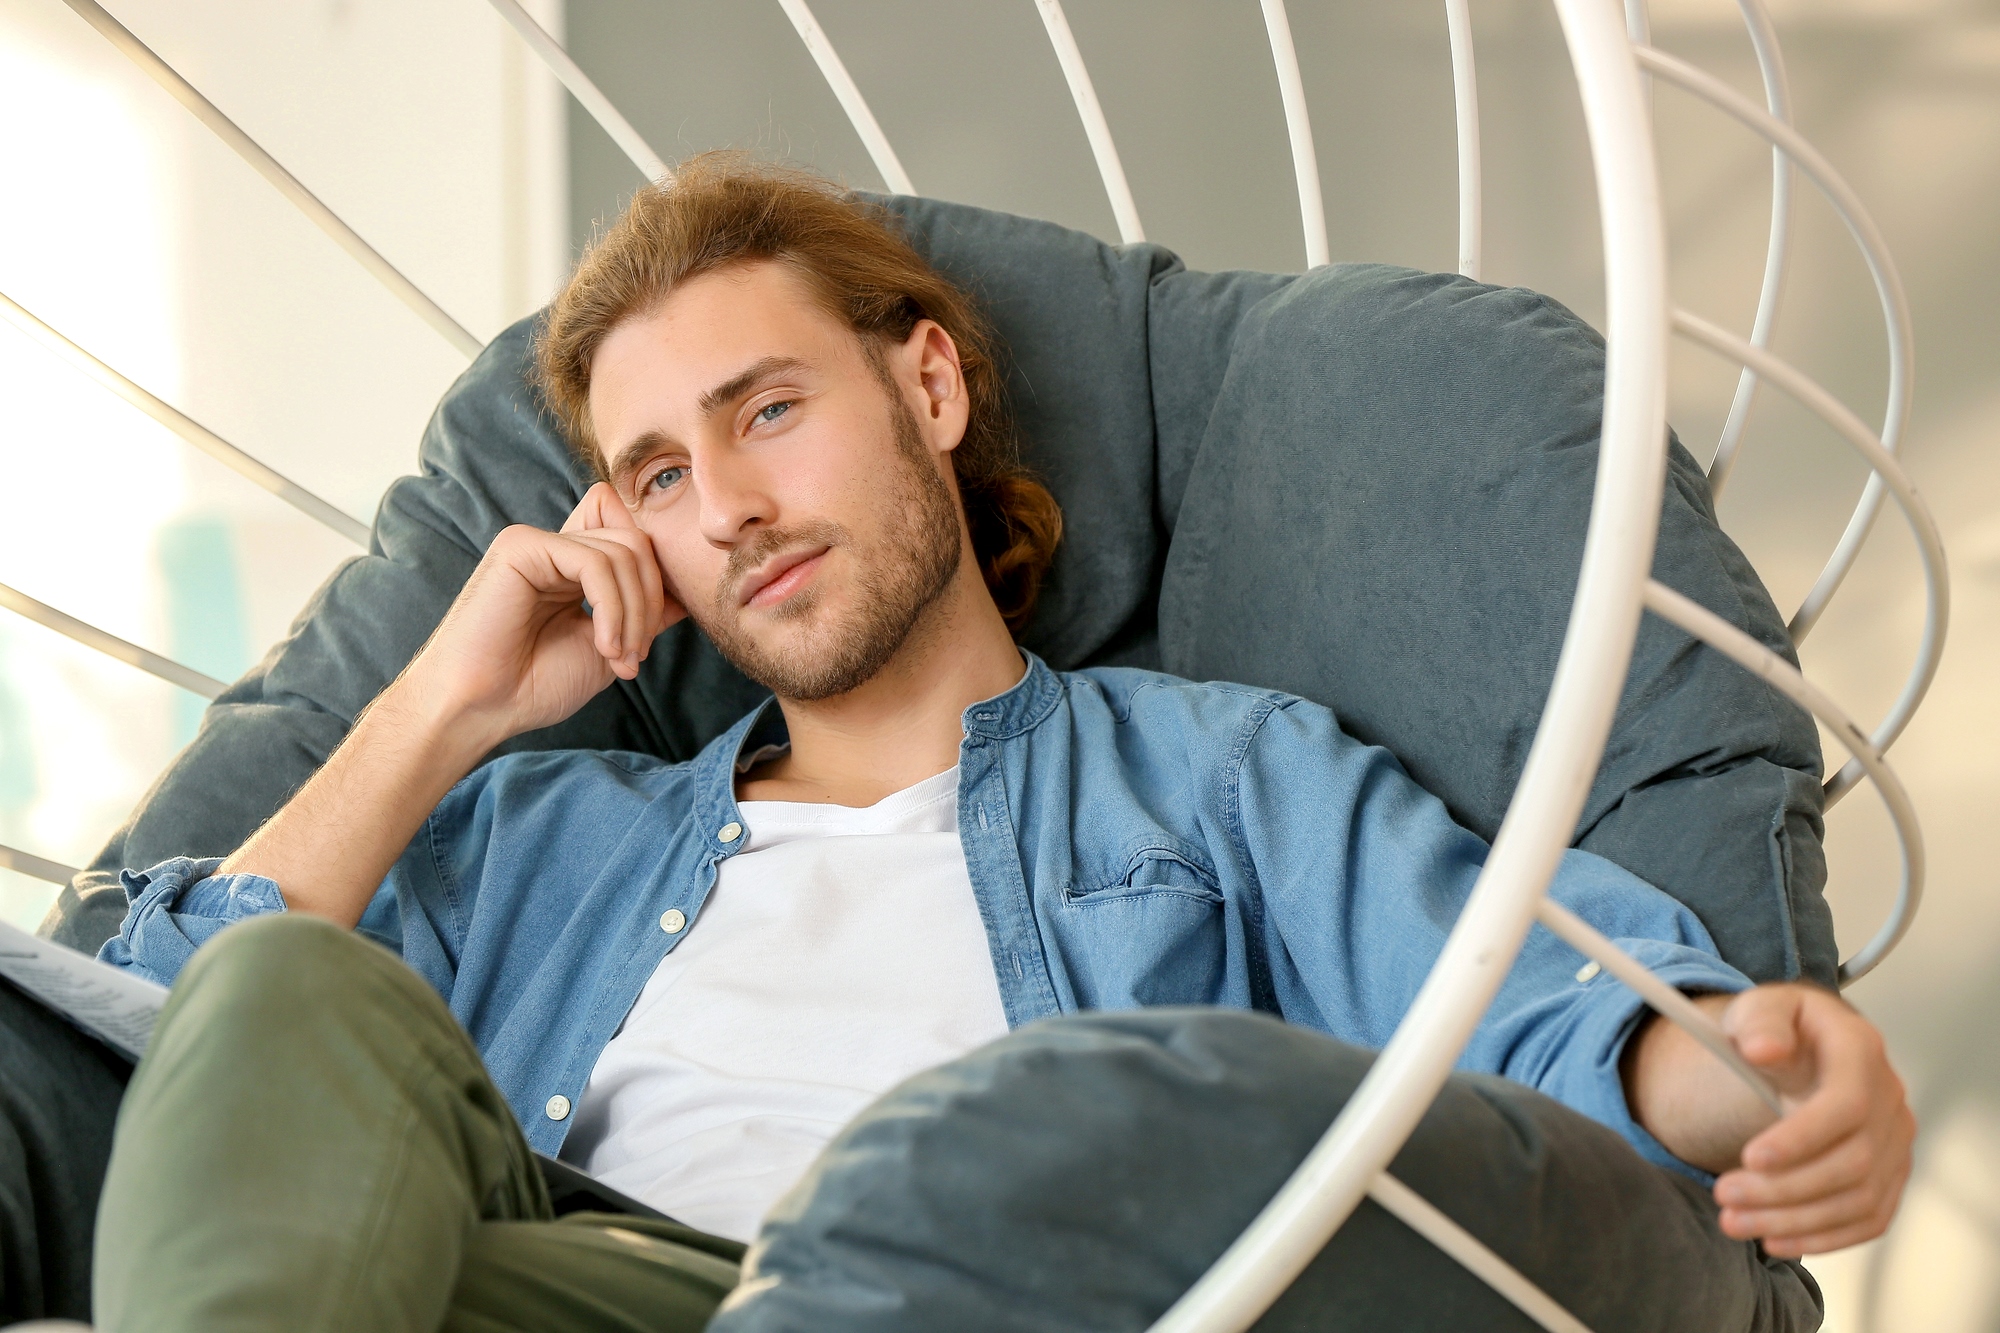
(196, 434)
(36, 867)
(1095, 127)
(1733, 643)
(1427, 1220)
(1777, 97)
(587, 94)
(1638, 23)
(1888, 472)
(1465, 101)
(284, 181)
(1589, 678)
(131, 654)
(1639, 27)
(1587, 940)
(849, 94)
(1888, 285)
(1298, 125)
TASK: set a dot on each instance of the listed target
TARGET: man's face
(794, 492)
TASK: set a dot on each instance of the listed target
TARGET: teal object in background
(18, 784)
(209, 628)
(22, 900)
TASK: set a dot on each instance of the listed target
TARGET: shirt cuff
(176, 907)
(1612, 1014)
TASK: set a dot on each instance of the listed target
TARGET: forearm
(332, 844)
(516, 651)
(1696, 1106)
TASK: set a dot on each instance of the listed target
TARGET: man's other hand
(518, 650)
(1825, 1175)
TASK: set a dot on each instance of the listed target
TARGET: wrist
(1689, 1101)
(432, 720)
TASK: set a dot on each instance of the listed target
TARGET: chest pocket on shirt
(1150, 871)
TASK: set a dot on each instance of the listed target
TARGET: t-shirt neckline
(896, 809)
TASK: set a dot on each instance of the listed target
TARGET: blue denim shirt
(1132, 839)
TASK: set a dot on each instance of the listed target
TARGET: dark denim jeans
(59, 1094)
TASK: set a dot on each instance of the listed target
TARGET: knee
(1244, 1092)
(270, 954)
(1255, 1057)
(280, 976)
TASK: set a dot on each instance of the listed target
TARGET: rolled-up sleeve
(1363, 874)
(1571, 1048)
(176, 907)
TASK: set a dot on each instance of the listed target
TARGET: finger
(1848, 1164)
(630, 627)
(1854, 1083)
(1824, 1242)
(600, 507)
(588, 567)
(641, 601)
(661, 608)
(1764, 1025)
(1821, 1216)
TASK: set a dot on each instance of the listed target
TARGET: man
(686, 979)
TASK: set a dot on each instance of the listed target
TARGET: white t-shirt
(838, 953)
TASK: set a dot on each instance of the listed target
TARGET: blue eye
(667, 478)
(772, 411)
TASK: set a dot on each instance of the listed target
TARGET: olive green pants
(312, 1144)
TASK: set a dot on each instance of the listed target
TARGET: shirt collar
(1019, 708)
(1015, 710)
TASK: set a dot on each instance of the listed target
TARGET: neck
(904, 724)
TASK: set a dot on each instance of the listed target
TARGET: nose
(735, 502)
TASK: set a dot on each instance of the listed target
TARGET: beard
(897, 582)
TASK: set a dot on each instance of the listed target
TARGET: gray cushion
(1367, 486)
(1385, 512)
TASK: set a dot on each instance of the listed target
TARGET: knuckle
(1851, 1170)
(1848, 1106)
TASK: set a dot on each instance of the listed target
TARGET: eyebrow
(711, 402)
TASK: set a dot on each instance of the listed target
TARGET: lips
(780, 577)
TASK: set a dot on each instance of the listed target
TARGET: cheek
(820, 470)
(845, 476)
(690, 565)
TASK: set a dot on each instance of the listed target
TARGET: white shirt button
(558, 1107)
(1588, 970)
(730, 832)
(672, 921)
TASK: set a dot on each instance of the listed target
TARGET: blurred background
(432, 130)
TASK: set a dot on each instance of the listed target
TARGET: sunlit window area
(159, 252)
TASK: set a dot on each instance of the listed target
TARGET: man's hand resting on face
(516, 651)
(1826, 1175)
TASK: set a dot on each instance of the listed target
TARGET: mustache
(770, 542)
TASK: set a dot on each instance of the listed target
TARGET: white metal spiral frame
(1615, 66)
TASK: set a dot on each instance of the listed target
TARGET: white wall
(128, 226)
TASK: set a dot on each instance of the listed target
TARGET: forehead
(651, 371)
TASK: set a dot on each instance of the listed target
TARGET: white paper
(117, 1006)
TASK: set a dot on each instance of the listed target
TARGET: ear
(944, 407)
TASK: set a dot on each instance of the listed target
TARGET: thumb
(1764, 1025)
